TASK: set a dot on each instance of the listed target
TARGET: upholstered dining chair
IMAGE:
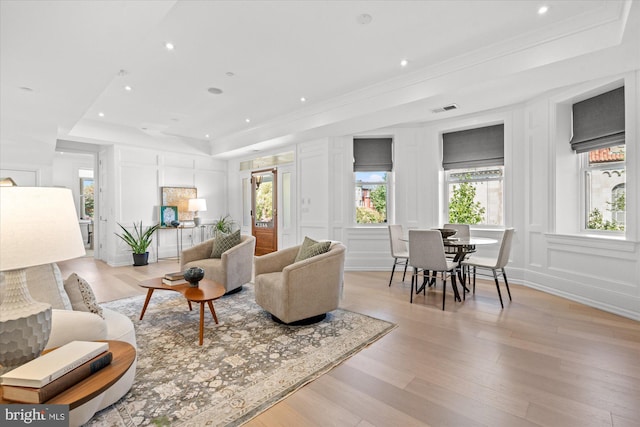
(463, 231)
(426, 253)
(399, 250)
(494, 264)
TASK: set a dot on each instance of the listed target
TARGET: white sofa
(68, 324)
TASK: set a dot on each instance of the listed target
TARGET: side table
(124, 355)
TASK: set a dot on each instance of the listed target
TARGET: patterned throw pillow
(81, 295)
(311, 248)
(223, 244)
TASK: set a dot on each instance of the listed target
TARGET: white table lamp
(38, 225)
(197, 205)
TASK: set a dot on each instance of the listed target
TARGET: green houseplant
(224, 225)
(138, 241)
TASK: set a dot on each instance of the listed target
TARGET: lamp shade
(38, 225)
(197, 205)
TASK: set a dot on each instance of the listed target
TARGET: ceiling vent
(446, 108)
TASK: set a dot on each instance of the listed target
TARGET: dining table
(460, 247)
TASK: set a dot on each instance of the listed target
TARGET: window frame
(389, 199)
(584, 169)
(447, 196)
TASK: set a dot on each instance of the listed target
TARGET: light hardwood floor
(542, 361)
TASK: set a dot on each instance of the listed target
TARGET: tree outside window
(475, 195)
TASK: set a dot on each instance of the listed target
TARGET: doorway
(264, 215)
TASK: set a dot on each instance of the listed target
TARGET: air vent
(446, 108)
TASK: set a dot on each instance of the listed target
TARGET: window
(475, 195)
(371, 197)
(373, 161)
(599, 138)
(87, 200)
(604, 178)
(473, 160)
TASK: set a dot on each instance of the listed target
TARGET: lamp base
(23, 339)
(197, 221)
(25, 324)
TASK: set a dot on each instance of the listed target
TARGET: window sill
(618, 243)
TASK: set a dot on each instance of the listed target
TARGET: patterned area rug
(247, 363)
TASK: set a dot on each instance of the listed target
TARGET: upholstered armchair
(299, 291)
(233, 269)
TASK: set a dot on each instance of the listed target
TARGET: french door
(264, 212)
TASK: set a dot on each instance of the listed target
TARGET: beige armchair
(299, 292)
(232, 270)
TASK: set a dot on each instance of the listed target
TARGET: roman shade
(598, 122)
(473, 148)
(372, 155)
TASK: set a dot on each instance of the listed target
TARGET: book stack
(173, 279)
(51, 374)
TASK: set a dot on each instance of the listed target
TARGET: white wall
(134, 191)
(548, 251)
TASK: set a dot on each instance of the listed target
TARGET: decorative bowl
(447, 232)
(193, 275)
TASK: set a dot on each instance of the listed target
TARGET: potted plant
(138, 241)
(224, 225)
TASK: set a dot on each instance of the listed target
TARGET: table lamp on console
(197, 205)
(38, 225)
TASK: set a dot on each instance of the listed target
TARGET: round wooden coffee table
(206, 292)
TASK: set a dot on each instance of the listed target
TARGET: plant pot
(140, 259)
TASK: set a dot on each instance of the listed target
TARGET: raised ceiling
(78, 56)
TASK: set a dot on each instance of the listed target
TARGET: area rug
(247, 363)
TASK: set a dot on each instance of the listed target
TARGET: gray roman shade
(598, 122)
(372, 154)
(473, 148)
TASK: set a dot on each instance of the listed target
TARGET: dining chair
(494, 264)
(463, 231)
(399, 250)
(426, 254)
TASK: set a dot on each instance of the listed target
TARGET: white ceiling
(478, 54)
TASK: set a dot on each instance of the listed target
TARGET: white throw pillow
(81, 295)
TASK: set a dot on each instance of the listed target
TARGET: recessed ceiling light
(128, 88)
(303, 99)
(543, 9)
(169, 46)
(247, 120)
(404, 63)
(230, 74)
(101, 114)
(206, 136)
(364, 19)
(25, 88)
(214, 90)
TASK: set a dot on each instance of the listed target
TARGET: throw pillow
(223, 244)
(81, 295)
(311, 248)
